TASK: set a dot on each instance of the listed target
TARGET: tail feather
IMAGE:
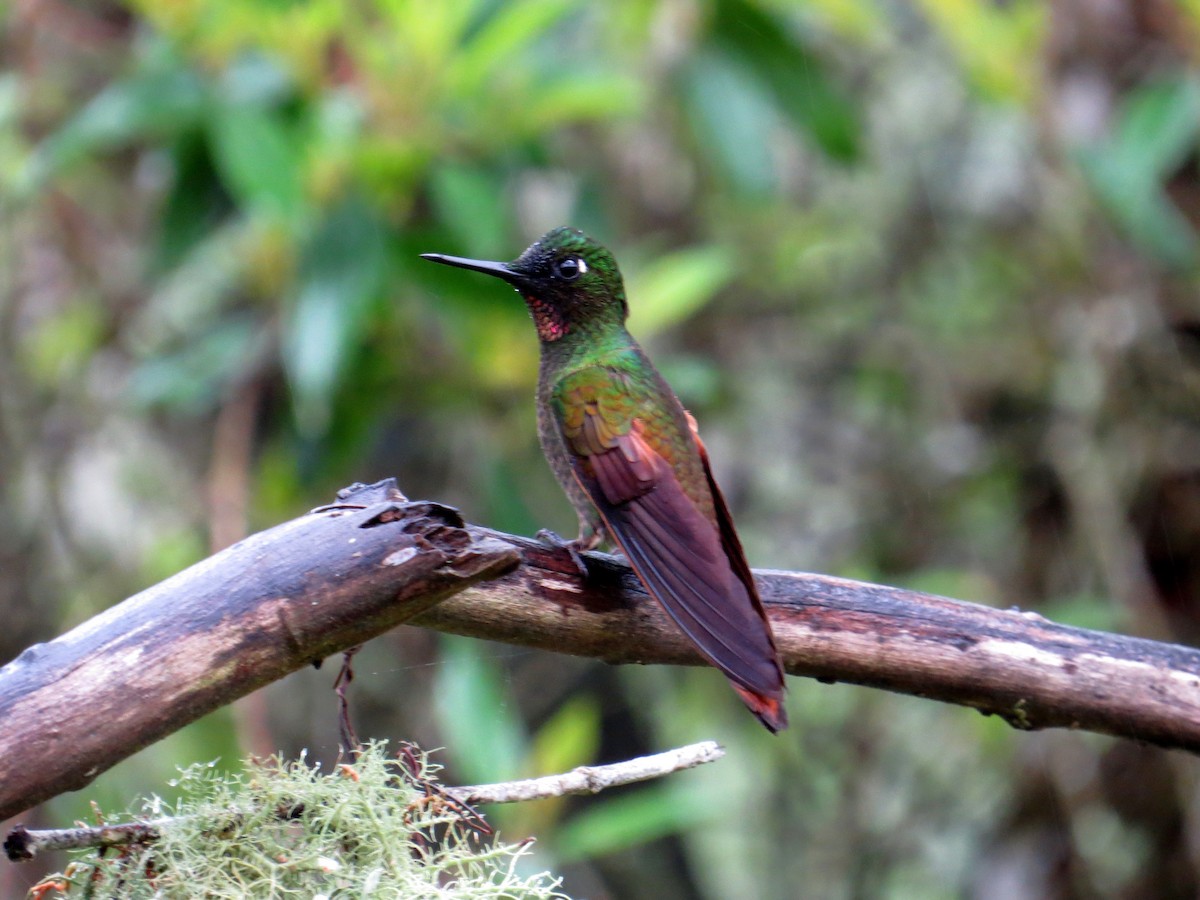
(768, 709)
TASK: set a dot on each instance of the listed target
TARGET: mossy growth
(377, 827)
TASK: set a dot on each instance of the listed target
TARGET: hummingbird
(631, 461)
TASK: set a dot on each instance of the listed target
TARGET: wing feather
(678, 554)
(693, 567)
(730, 541)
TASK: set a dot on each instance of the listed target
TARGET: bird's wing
(692, 566)
(732, 544)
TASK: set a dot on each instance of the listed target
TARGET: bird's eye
(570, 268)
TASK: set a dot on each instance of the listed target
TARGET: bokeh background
(925, 270)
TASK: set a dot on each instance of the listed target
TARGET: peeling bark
(1016, 664)
(269, 605)
(328, 581)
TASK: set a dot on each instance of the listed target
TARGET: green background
(924, 270)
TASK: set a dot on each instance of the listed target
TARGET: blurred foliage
(1155, 134)
(925, 271)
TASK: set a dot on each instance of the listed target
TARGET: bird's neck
(585, 343)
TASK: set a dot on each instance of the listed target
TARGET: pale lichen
(289, 829)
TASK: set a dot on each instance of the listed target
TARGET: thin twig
(346, 732)
(22, 843)
(593, 779)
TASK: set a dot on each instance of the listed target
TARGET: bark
(592, 779)
(273, 603)
(328, 581)
(1016, 664)
(23, 844)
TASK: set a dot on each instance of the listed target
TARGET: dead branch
(327, 581)
(23, 844)
(592, 779)
(1016, 664)
(276, 602)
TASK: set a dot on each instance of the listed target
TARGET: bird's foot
(558, 542)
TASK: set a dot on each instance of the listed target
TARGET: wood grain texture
(279, 600)
(290, 596)
(1015, 664)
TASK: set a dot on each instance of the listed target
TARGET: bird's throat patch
(549, 319)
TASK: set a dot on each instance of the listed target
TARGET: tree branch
(24, 844)
(276, 602)
(327, 581)
(1032, 672)
(592, 779)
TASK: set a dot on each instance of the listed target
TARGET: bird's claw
(558, 542)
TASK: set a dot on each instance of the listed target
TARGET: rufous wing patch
(690, 564)
(628, 470)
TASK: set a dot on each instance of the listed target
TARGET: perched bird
(628, 456)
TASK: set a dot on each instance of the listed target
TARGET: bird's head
(570, 283)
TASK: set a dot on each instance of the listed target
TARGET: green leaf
(1085, 611)
(341, 272)
(697, 380)
(253, 79)
(194, 206)
(192, 296)
(644, 814)
(1159, 125)
(570, 738)
(574, 96)
(507, 500)
(1140, 207)
(994, 43)
(676, 285)
(503, 38)
(472, 204)
(731, 115)
(793, 75)
(148, 104)
(62, 345)
(258, 159)
(483, 731)
(192, 379)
